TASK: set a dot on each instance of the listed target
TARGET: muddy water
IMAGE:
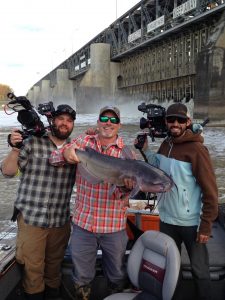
(214, 140)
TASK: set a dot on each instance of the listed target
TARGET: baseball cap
(65, 109)
(178, 110)
(110, 108)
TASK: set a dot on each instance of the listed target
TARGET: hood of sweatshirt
(187, 136)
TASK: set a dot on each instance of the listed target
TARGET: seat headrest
(152, 258)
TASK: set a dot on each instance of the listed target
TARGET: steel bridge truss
(157, 42)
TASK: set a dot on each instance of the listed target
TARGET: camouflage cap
(110, 108)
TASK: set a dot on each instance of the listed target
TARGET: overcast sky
(37, 35)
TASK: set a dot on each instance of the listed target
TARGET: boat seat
(153, 267)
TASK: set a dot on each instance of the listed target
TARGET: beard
(108, 131)
(61, 135)
(177, 133)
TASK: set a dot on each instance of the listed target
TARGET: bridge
(160, 51)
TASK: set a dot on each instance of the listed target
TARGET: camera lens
(144, 123)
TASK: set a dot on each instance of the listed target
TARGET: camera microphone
(12, 97)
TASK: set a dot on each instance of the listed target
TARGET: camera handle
(151, 134)
(141, 138)
(143, 155)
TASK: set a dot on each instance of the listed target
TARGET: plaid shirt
(96, 209)
(44, 192)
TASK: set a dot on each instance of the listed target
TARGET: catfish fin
(134, 192)
(112, 189)
(87, 175)
(127, 153)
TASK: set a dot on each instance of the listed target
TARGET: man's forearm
(9, 166)
(151, 157)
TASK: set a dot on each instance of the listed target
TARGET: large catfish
(96, 168)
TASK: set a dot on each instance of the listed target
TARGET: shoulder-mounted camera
(155, 121)
(28, 117)
(156, 124)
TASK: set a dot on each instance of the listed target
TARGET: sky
(37, 35)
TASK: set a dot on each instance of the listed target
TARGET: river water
(214, 140)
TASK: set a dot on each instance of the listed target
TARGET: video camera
(28, 117)
(155, 122)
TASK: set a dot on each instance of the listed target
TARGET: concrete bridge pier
(30, 96)
(62, 92)
(98, 85)
(36, 94)
(86, 93)
(59, 93)
(210, 76)
(45, 92)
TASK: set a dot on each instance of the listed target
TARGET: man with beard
(42, 206)
(188, 210)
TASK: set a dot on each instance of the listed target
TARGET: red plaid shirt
(96, 209)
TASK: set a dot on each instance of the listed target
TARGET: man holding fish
(107, 175)
(104, 182)
(99, 217)
(188, 210)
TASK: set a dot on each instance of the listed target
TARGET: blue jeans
(197, 253)
(84, 245)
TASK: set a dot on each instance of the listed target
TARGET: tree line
(4, 90)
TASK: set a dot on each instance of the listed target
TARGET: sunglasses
(105, 119)
(180, 120)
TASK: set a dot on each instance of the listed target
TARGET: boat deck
(10, 274)
(186, 291)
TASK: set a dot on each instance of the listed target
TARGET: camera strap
(144, 156)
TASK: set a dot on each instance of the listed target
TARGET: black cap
(178, 110)
(65, 109)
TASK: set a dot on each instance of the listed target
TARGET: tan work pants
(41, 251)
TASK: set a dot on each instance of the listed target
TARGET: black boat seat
(153, 267)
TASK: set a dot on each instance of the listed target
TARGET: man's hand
(201, 238)
(92, 131)
(129, 183)
(144, 142)
(15, 137)
(70, 155)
